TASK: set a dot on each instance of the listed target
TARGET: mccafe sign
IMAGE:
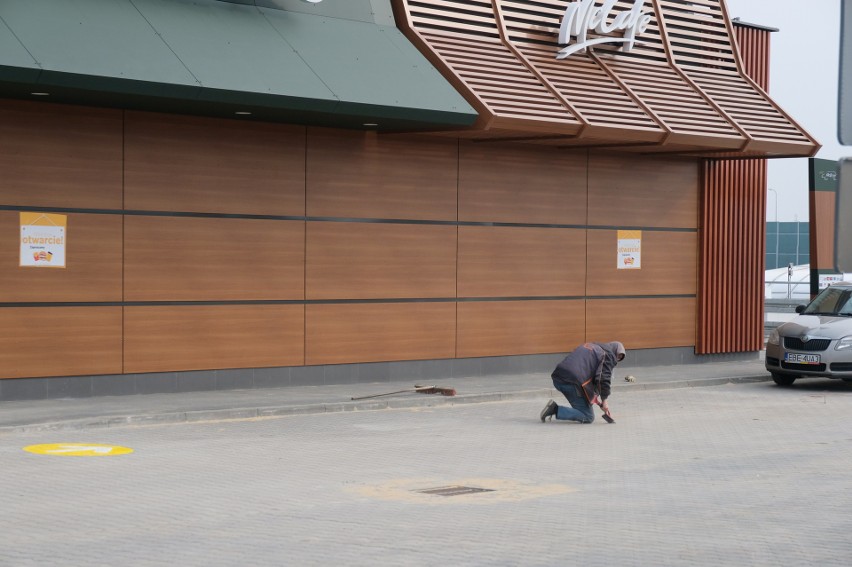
(583, 16)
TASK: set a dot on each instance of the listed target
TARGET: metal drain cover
(453, 490)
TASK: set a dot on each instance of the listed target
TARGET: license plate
(799, 358)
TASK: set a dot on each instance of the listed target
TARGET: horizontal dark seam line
(331, 301)
(133, 212)
(339, 219)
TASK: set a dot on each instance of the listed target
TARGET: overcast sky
(803, 80)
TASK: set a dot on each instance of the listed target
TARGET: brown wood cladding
(165, 257)
(357, 175)
(680, 90)
(210, 259)
(375, 332)
(754, 52)
(60, 156)
(201, 337)
(712, 61)
(59, 341)
(92, 270)
(669, 264)
(519, 327)
(642, 323)
(822, 216)
(733, 240)
(521, 262)
(626, 190)
(380, 261)
(502, 183)
(178, 163)
(733, 244)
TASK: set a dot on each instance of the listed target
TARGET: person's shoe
(549, 411)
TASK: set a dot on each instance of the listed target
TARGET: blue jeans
(580, 409)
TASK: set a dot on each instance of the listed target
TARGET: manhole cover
(453, 490)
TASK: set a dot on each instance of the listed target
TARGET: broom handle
(416, 389)
(385, 394)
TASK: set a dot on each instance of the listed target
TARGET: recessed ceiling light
(242, 113)
(370, 124)
(40, 94)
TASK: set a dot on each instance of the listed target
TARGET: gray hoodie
(590, 366)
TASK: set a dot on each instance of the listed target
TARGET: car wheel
(783, 379)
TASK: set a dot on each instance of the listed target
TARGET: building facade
(267, 193)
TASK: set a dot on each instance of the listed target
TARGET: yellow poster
(43, 240)
(629, 250)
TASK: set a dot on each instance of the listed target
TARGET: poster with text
(826, 280)
(629, 249)
(43, 240)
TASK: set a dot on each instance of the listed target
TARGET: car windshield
(831, 301)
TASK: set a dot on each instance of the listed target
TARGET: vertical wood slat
(754, 52)
(733, 239)
(733, 245)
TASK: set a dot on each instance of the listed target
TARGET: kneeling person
(585, 378)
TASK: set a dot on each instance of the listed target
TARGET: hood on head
(616, 348)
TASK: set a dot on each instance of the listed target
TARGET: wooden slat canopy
(680, 89)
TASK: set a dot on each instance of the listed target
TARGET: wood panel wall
(649, 323)
(363, 175)
(823, 212)
(191, 164)
(206, 243)
(58, 156)
(94, 275)
(497, 261)
(372, 332)
(518, 184)
(213, 259)
(60, 341)
(669, 263)
(519, 327)
(376, 261)
(636, 190)
(201, 337)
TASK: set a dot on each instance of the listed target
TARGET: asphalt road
(740, 474)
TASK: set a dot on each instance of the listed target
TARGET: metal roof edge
(739, 22)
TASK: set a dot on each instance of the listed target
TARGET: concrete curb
(199, 416)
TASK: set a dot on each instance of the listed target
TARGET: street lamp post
(777, 262)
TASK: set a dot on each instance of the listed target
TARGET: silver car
(818, 342)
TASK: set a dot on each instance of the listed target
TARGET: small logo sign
(583, 16)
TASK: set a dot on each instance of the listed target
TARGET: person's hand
(606, 415)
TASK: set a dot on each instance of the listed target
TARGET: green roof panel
(16, 63)
(356, 10)
(105, 38)
(327, 63)
(353, 59)
(232, 47)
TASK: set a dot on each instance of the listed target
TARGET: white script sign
(583, 16)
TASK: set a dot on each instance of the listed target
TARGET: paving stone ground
(737, 474)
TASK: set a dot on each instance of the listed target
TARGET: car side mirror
(800, 308)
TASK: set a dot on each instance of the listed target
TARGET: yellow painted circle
(78, 450)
